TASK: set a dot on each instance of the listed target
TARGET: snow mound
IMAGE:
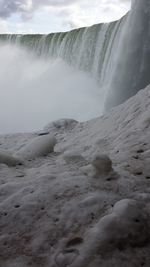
(6, 158)
(102, 164)
(37, 147)
(127, 225)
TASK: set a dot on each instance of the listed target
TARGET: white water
(63, 75)
(35, 91)
(74, 72)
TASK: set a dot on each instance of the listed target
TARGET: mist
(35, 91)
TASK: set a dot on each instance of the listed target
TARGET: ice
(53, 212)
(8, 159)
(38, 147)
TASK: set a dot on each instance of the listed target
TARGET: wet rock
(74, 241)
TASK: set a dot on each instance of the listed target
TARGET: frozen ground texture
(73, 207)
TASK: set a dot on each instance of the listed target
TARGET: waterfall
(116, 54)
(92, 49)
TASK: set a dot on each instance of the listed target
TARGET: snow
(54, 213)
(37, 147)
(8, 159)
(102, 165)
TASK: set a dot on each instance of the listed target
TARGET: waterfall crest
(92, 49)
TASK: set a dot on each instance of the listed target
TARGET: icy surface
(8, 159)
(55, 213)
(37, 147)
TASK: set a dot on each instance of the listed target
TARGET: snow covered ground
(62, 209)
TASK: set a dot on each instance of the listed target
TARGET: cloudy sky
(44, 16)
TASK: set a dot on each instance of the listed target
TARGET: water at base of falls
(73, 74)
(47, 77)
(36, 91)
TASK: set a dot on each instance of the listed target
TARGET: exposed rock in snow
(61, 125)
(38, 147)
(53, 214)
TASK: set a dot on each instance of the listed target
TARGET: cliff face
(131, 71)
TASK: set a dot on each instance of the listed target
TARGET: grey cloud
(8, 7)
(26, 8)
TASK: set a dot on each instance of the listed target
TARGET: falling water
(101, 64)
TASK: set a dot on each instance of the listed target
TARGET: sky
(45, 16)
